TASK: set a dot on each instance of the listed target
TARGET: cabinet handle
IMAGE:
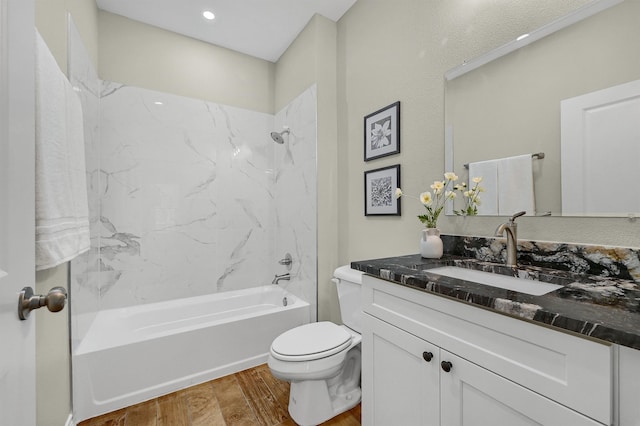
(446, 366)
(427, 356)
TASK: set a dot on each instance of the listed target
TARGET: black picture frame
(380, 191)
(382, 132)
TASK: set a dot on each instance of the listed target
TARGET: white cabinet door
(473, 396)
(399, 385)
(17, 338)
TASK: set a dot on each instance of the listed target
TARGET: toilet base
(319, 407)
(312, 402)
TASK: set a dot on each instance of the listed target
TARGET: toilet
(321, 360)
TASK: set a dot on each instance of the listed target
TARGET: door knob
(27, 301)
(428, 356)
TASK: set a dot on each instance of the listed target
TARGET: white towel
(488, 171)
(515, 185)
(62, 210)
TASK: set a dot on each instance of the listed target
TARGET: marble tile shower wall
(189, 197)
(295, 190)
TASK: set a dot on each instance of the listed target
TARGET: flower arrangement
(434, 203)
(471, 197)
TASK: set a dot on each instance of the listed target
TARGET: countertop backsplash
(603, 261)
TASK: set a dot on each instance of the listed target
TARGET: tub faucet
(511, 228)
(279, 278)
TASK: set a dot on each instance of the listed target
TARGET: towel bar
(537, 155)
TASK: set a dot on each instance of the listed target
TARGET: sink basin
(521, 285)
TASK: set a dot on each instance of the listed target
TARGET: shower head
(278, 136)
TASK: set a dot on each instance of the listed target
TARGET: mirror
(512, 106)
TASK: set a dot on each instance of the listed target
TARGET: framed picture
(382, 132)
(380, 191)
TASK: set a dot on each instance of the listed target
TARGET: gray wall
(161, 60)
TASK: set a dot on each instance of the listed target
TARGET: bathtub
(133, 354)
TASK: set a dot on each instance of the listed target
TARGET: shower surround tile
(296, 195)
(187, 198)
(196, 198)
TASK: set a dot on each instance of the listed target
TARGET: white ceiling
(260, 28)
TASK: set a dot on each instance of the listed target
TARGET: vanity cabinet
(501, 370)
(409, 381)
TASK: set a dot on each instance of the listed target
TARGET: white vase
(431, 244)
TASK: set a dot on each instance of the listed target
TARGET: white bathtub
(133, 354)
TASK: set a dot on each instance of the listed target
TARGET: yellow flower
(398, 193)
(425, 198)
(437, 187)
(471, 196)
(451, 176)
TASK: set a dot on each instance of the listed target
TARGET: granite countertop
(603, 308)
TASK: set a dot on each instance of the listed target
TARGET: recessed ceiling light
(522, 37)
(208, 15)
(159, 103)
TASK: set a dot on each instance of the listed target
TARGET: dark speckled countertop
(600, 307)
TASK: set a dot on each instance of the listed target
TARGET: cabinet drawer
(573, 371)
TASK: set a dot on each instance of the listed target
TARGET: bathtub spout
(279, 278)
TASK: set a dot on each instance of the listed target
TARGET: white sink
(521, 285)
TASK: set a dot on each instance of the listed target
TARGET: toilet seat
(311, 341)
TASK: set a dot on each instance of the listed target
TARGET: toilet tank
(349, 283)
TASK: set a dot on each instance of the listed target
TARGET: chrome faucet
(279, 278)
(511, 228)
(286, 261)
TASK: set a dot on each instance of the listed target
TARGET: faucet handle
(286, 261)
(517, 215)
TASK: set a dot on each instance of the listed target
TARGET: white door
(400, 377)
(17, 338)
(600, 148)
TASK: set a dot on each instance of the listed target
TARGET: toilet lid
(311, 341)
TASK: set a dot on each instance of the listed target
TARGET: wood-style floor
(249, 398)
